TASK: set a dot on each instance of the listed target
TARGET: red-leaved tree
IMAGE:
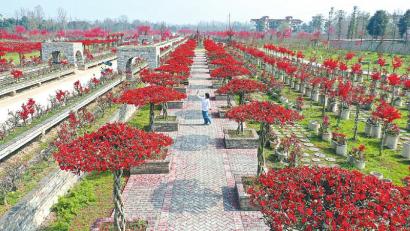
(386, 114)
(241, 87)
(266, 113)
(152, 95)
(114, 147)
(305, 198)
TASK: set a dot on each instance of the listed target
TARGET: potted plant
(340, 143)
(357, 157)
(289, 150)
(392, 136)
(324, 129)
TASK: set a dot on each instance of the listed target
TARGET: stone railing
(24, 69)
(21, 140)
(9, 85)
(97, 60)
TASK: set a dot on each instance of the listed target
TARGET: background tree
(351, 30)
(404, 24)
(329, 23)
(377, 24)
(340, 17)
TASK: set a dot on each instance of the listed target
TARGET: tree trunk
(324, 105)
(381, 140)
(165, 110)
(119, 214)
(262, 142)
(151, 117)
(356, 121)
(228, 100)
(241, 98)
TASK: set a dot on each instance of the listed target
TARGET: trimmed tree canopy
(238, 86)
(229, 71)
(305, 198)
(264, 112)
(112, 147)
(151, 94)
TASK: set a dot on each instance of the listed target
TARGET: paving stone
(314, 149)
(320, 155)
(315, 159)
(305, 154)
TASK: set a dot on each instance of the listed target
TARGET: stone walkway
(198, 193)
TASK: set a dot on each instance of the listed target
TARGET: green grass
(28, 182)
(244, 134)
(390, 163)
(87, 201)
(15, 56)
(322, 53)
(141, 118)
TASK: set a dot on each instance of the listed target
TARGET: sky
(194, 11)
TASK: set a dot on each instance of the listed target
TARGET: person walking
(205, 107)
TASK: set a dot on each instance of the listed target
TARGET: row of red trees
(118, 147)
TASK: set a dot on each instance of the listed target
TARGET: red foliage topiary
(306, 198)
(114, 147)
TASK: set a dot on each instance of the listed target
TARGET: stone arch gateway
(73, 51)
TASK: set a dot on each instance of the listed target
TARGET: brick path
(198, 193)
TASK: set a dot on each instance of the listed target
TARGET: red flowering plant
(397, 62)
(275, 86)
(344, 92)
(61, 96)
(299, 103)
(339, 138)
(357, 153)
(152, 95)
(226, 72)
(17, 74)
(394, 81)
(241, 87)
(386, 114)
(357, 69)
(113, 147)
(290, 148)
(305, 198)
(27, 109)
(326, 87)
(265, 113)
(325, 124)
(349, 55)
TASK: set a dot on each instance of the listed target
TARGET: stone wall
(149, 53)
(35, 206)
(69, 49)
(369, 45)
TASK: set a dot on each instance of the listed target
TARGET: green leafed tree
(377, 24)
(404, 24)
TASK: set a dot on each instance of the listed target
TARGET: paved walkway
(198, 193)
